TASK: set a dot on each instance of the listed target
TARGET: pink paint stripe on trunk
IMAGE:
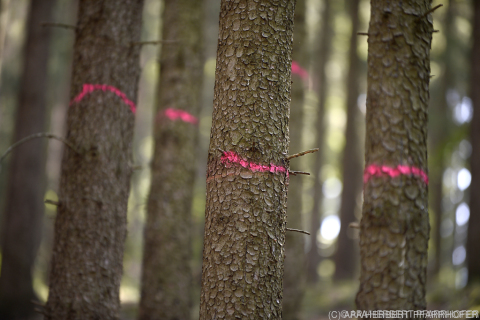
(89, 88)
(232, 157)
(376, 170)
(297, 69)
(176, 114)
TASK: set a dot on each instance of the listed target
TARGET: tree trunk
(394, 229)
(90, 225)
(247, 182)
(313, 258)
(440, 123)
(295, 262)
(167, 277)
(346, 256)
(22, 224)
(473, 259)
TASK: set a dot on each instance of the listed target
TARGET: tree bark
(346, 256)
(473, 239)
(247, 182)
(167, 276)
(90, 226)
(394, 229)
(295, 262)
(22, 224)
(313, 257)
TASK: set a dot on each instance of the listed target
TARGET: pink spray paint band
(232, 157)
(376, 170)
(176, 114)
(89, 88)
(297, 69)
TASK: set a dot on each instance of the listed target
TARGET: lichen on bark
(246, 210)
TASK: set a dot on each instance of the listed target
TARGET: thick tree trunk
(394, 229)
(90, 225)
(473, 259)
(167, 277)
(295, 261)
(22, 223)
(247, 182)
(346, 257)
(313, 257)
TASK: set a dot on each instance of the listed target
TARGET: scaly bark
(246, 208)
(394, 229)
(166, 274)
(346, 256)
(90, 226)
(295, 262)
(473, 259)
(23, 212)
(313, 257)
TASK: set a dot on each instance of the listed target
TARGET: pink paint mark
(89, 88)
(232, 157)
(296, 69)
(176, 114)
(376, 170)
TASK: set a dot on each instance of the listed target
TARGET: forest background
(450, 115)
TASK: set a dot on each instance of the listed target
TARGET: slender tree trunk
(90, 226)
(394, 229)
(167, 276)
(3, 28)
(473, 259)
(22, 224)
(247, 182)
(313, 258)
(346, 257)
(440, 132)
(295, 262)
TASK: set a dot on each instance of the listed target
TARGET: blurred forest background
(326, 78)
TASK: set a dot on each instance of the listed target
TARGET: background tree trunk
(167, 276)
(90, 226)
(246, 202)
(346, 256)
(23, 212)
(473, 258)
(323, 53)
(295, 262)
(394, 229)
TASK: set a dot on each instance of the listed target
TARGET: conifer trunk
(90, 225)
(166, 273)
(24, 207)
(346, 256)
(473, 259)
(394, 229)
(247, 174)
(323, 54)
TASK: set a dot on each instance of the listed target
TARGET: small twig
(431, 76)
(298, 172)
(38, 303)
(55, 203)
(362, 34)
(430, 11)
(354, 225)
(297, 230)
(35, 136)
(58, 25)
(435, 31)
(296, 155)
(143, 43)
